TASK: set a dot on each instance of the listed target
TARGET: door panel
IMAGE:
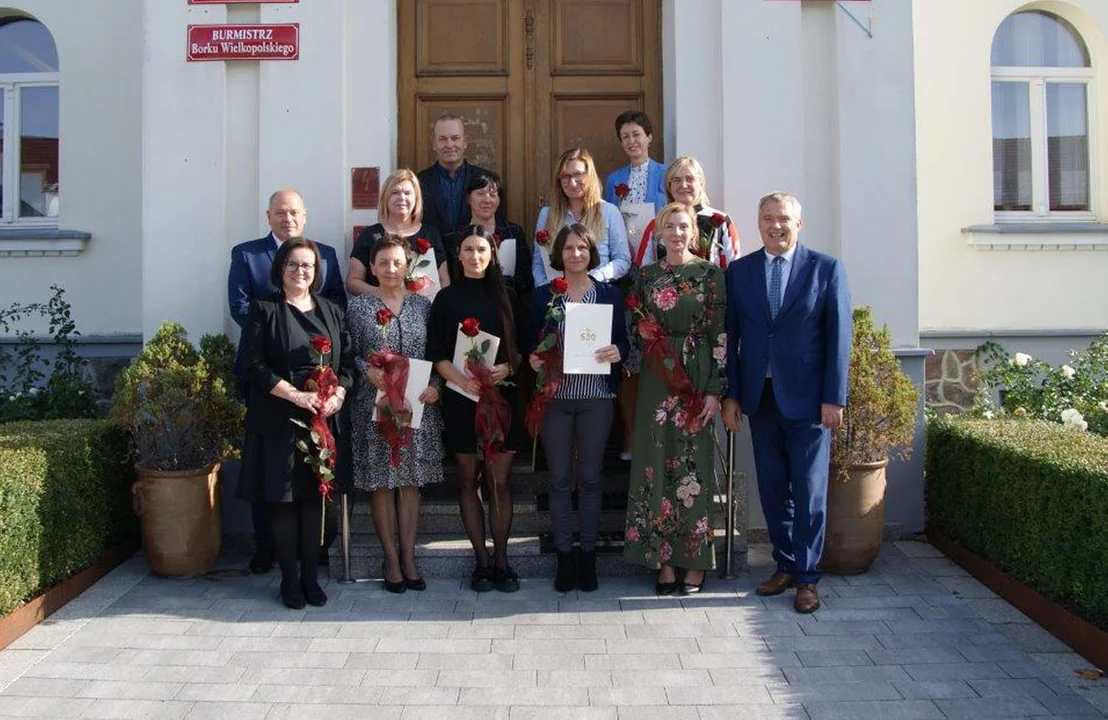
(462, 37)
(530, 78)
(589, 36)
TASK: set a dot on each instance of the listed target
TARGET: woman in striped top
(581, 413)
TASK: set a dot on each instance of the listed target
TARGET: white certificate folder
(419, 377)
(588, 328)
(462, 345)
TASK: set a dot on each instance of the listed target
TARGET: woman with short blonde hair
(399, 212)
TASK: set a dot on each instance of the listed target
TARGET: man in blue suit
(788, 335)
(248, 279)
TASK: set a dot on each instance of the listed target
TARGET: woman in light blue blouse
(575, 198)
(644, 177)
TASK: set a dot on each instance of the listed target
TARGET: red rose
(632, 302)
(471, 326)
(622, 191)
(422, 245)
(559, 286)
(718, 219)
(384, 316)
(321, 344)
(542, 237)
(415, 284)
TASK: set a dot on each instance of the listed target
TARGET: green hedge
(65, 499)
(1031, 497)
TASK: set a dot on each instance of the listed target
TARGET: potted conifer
(879, 422)
(178, 405)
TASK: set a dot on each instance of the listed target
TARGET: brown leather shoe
(779, 583)
(807, 599)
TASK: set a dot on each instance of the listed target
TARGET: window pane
(1067, 146)
(26, 46)
(38, 152)
(1011, 146)
(1038, 39)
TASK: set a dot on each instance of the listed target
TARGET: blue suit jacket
(248, 279)
(655, 184)
(807, 347)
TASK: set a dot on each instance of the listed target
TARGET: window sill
(42, 242)
(1038, 236)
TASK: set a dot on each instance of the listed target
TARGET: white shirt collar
(788, 254)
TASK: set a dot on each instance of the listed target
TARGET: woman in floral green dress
(679, 322)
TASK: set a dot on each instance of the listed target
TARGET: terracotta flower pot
(855, 518)
(180, 519)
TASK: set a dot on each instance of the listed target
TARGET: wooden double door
(530, 78)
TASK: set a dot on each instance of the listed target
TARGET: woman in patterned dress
(395, 490)
(669, 500)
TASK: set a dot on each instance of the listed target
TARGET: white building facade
(878, 115)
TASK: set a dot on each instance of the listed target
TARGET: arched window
(29, 108)
(1041, 78)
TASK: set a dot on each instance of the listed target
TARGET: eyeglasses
(573, 177)
(294, 267)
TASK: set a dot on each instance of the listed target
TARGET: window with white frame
(1041, 85)
(29, 91)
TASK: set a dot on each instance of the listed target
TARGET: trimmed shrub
(65, 499)
(1029, 496)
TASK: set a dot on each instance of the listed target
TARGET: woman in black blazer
(580, 414)
(281, 343)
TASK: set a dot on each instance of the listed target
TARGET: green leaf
(302, 446)
(485, 346)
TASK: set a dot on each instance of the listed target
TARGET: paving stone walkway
(914, 638)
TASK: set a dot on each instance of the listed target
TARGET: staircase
(443, 549)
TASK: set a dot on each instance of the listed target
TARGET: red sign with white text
(243, 42)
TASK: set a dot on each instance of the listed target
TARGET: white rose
(1072, 418)
(1021, 359)
(1068, 372)
(1103, 405)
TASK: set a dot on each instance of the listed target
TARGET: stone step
(530, 516)
(451, 555)
(444, 519)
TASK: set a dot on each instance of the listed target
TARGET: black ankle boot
(566, 577)
(586, 572)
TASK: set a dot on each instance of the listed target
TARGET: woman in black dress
(480, 293)
(400, 212)
(278, 345)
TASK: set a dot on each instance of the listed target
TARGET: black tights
(295, 528)
(500, 506)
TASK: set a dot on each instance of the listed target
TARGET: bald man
(249, 279)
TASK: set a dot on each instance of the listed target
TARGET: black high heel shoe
(665, 588)
(397, 587)
(417, 583)
(688, 588)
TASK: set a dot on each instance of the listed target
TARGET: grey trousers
(587, 422)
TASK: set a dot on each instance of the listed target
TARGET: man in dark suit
(443, 184)
(249, 278)
(788, 336)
